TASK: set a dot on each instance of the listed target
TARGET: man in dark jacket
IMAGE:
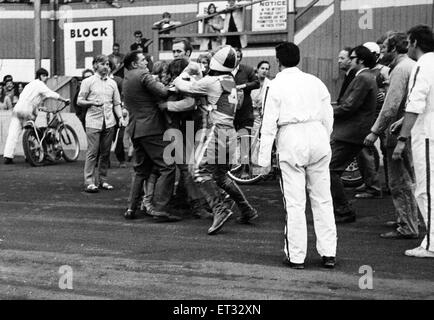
(354, 118)
(146, 128)
(246, 80)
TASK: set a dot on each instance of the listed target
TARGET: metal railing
(288, 34)
(161, 33)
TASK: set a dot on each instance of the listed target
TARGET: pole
(53, 19)
(290, 20)
(37, 33)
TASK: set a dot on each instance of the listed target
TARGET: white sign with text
(83, 41)
(270, 15)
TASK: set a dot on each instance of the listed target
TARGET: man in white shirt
(419, 124)
(298, 113)
(27, 108)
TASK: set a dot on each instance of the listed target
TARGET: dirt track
(46, 221)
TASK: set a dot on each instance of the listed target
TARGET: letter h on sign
(81, 54)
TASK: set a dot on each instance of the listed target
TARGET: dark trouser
(148, 154)
(192, 189)
(120, 150)
(402, 184)
(98, 145)
(343, 153)
(212, 171)
(369, 169)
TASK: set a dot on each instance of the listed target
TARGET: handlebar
(65, 104)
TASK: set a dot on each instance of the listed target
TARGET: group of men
(406, 150)
(316, 142)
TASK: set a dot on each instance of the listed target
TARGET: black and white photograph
(211, 158)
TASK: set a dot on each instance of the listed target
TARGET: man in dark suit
(246, 80)
(353, 119)
(344, 62)
(146, 128)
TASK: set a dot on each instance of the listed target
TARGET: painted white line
(375, 4)
(315, 24)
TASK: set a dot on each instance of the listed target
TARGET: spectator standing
(27, 108)
(418, 123)
(298, 112)
(5, 100)
(258, 95)
(212, 25)
(233, 22)
(344, 63)
(116, 57)
(400, 171)
(140, 43)
(366, 159)
(163, 24)
(146, 128)
(9, 88)
(101, 96)
(353, 120)
(246, 80)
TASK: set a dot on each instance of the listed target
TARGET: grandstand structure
(320, 27)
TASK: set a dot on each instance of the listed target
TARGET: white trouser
(423, 160)
(304, 156)
(15, 129)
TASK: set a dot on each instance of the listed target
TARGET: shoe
(91, 188)
(219, 219)
(8, 160)
(248, 217)
(202, 213)
(329, 262)
(361, 188)
(106, 186)
(199, 211)
(346, 218)
(419, 252)
(398, 236)
(168, 218)
(129, 214)
(391, 224)
(296, 266)
(368, 195)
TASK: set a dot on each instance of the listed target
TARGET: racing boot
(220, 211)
(248, 213)
(199, 209)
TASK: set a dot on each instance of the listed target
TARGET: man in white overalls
(419, 124)
(297, 109)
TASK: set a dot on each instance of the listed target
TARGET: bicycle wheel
(68, 140)
(244, 173)
(33, 150)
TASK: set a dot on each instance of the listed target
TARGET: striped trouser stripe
(282, 188)
(428, 190)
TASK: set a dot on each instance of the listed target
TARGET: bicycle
(246, 172)
(57, 140)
